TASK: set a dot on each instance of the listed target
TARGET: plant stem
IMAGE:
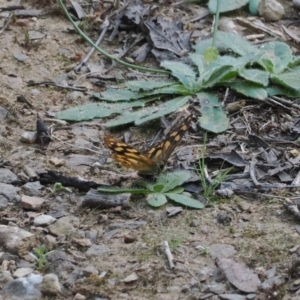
(217, 16)
(113, 58)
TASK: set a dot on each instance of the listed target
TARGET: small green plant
(40, 256)
(58, 187)
(209, 187)
(167, 186)
(203, 250)
(175, 243)
(26, 39)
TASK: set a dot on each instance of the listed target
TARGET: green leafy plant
(175, 243)
(232, 62)
(40, 256)
(167, 186)
(209, 187)
(254, 72)
(58, 187)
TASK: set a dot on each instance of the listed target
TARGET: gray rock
(36, 35)
(28, 137)
(82, 143)
(232, 297)
(97, 250)
(3, 201)
(271, 10)
(79, 297)
(50, 285)
(50, 242)
(22, 272)
(20, 57)
(15, 83)
(35, 92)
(221, 251)
(109, 235)
(92, 235)
(32, 203)
(22, 263)
(43, 220)
(7, 176)
(71, 220)
(3, 113)
(32, 188)
(271, 284)
(239, 275)
(20, 289)
(216, 288)
(75, 160)
(89, 270)
(61, 227)
(185, 289)
(194, 283)
(75, 95)
(5, 277)
(12, 236)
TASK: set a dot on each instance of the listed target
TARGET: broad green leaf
(267, 64)
(183, 72)
(185, 200)
(156, 200)
(277, 56)
(148, 113)
(214, 118)
(253, 6)
(198, 60)
(177, 190)
(255, 75)
(172, 180)
(96, 110)
(277, 90)
(202, 45)
(220, 69)
(227, 41)
(235, 42)
(138, 92)
(176, 88)
(146, 85)
(289, 80)
(212, 77)
(158, 188)
(115, 95)
(248, 89)
(225, 6)
(295, 62)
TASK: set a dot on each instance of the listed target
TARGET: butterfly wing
(130, 157)
(162, 151)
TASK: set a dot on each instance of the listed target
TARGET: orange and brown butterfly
(153, 160)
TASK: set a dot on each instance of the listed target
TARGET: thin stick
(169, 254)
(100, 38)
(6, 23)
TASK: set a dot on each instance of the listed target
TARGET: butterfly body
(153, 160)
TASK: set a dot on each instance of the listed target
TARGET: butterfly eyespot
(153, 160)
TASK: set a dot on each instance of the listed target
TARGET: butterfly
(152, 161)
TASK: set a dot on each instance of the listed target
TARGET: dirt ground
(260, 230)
